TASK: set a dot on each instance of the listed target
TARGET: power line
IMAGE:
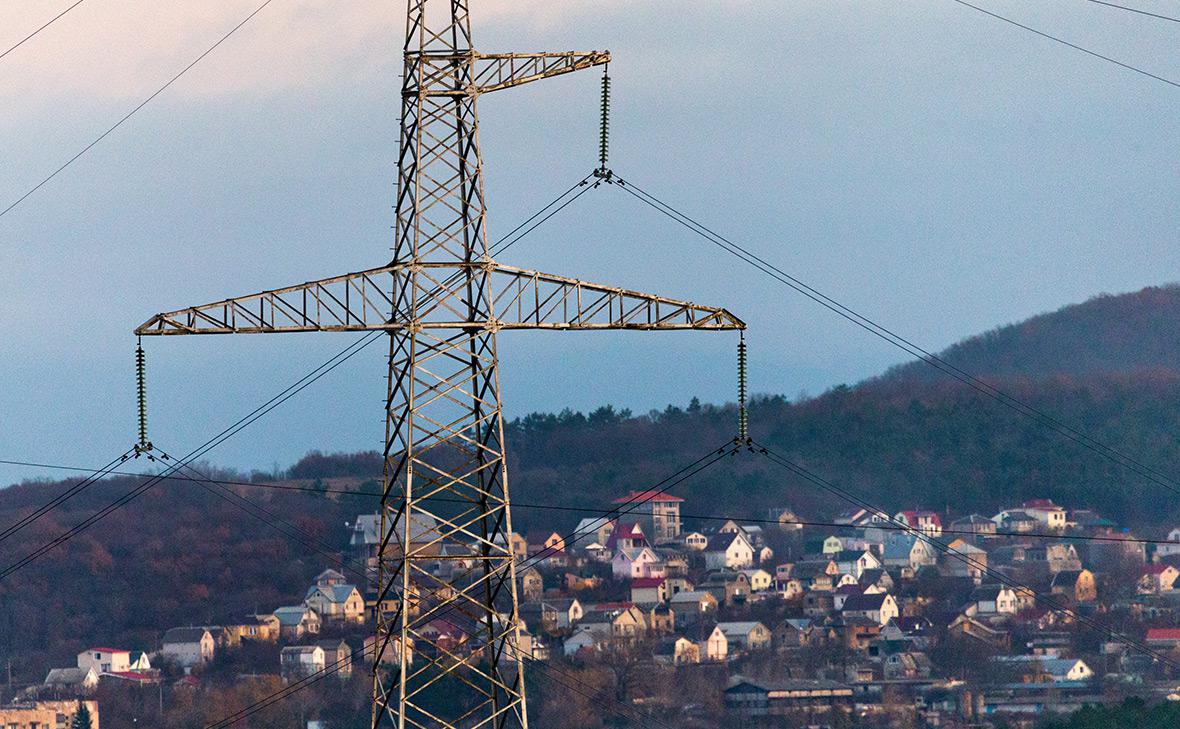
(1135, 10)
(52, 20)
(590, 510)
(1064, 42)
(292, 390)
(965, 559)
(1149, 473)
(131, 113)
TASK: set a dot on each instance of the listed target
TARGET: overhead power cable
(135, 110)
(1074, 46)
(1135, 10)
(999, 577)
(323, 369)
(985, 388)
(517, 504)
(52, 20)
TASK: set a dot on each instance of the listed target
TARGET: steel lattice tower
(445, 557)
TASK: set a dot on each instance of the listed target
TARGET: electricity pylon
(448, 653)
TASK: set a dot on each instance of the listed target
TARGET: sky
(933, 168)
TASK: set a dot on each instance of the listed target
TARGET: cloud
(127, 49)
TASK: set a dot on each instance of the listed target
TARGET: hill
(1107, 334)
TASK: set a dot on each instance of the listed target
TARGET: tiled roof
(641, 496)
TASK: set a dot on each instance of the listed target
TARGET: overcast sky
(932, 167)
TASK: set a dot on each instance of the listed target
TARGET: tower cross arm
(495, 71)
(437, 296)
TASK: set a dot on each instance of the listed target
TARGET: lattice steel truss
(449, 652)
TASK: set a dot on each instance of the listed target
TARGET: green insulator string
(743, 415)
(604, 126)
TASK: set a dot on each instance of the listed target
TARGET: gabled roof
(423, 528)
(722, 542)
(1163, 634)
(292, 615)
(859, 603)
(972, 519)
(642, 582)
(1066, 578)
(330, 574)
(105, 650)
(185, 635)
(338, 594)
(69, 676)
(739, 628)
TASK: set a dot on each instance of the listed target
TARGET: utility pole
(442, 301)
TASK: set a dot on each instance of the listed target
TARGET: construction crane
(443, 300)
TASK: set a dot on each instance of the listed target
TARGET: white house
(855, 562)
(1165, 550)
(336, 603)
(994, 600)
(880, 608)
(745, 635)
(632, 563)
(731, 550)
(299, 661)
(715, 647)
(1050, 515)
(105, 660)
(583, 639)
(696, 541)
(188, 647)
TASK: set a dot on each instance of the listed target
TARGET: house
(696, 541)
(794, 633)
(649, 590)
(759, 579)
(583, 640)
(627, 536)
(906, 665)
(745, 636)
(544, 542)
(656, 510)
(336, 601)
(993, 600)
(76, 681)
(728, 586)
(188, 647)
(715, 646)
(1050, 515)
(618, 622)
(366, 537)
(729, 551)
(908, 551)
(1037, 669)
(337, 657)
(554, 614)
(968, 627)
(877, 580)
(595, 529)
(258, 628)
(788, 589)
(855, 562)
(1078, 585)
(746, 700)
(1015, 521)
(973, 524)
(1163, 638)
(296, 621)
(633, 562)
(879, 608)
(140, 661)
(532, 585)
(817, 604)
(693, 606)
(301, 661)
(963, 559)
(661, 619)
(926, 522)
(105, 660)
(1156, 578)
(1172, 547)
(784, 518)
(676, 650)
(841, 594)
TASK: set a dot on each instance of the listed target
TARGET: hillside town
(944, 621)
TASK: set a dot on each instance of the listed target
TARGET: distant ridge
(1120, 333)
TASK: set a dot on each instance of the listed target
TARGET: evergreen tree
(81, 718)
